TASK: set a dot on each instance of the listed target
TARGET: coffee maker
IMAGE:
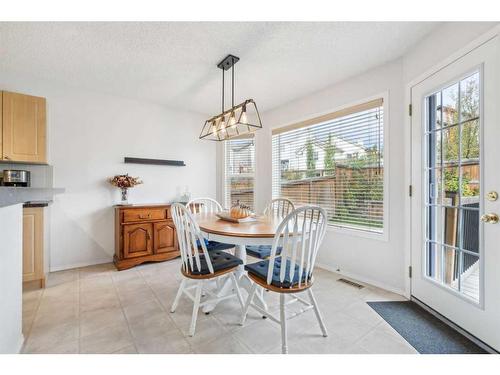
(16, 178)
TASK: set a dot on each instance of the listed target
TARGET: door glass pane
(450, 145)
(469, 228)
(453, 176)
(434, 261)
(469, 280)
(450, 109)
(450, 186)
(469, 98)
(435, 154)
(450, 226)
(451, 266)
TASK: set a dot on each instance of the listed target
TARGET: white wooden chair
(204, 205)
(300, 236)
(208, 205)
(199, 268)
(279, 207)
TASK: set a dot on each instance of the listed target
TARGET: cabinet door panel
(24, 128)
(33, 244)
(137, 240)
(165, 237)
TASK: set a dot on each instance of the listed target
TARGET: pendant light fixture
(239, 120)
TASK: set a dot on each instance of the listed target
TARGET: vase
(124, 196)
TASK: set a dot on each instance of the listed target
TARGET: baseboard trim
(457, 328)
(78, 265)
(363, 279)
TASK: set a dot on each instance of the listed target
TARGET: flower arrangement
(124, 182)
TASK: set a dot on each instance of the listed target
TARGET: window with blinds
(335, 161)
(239, 171)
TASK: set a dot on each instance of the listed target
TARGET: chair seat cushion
(262, 251)
(220, 261)
(260, 269)
(214, 245)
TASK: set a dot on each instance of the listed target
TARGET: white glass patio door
(455, 239)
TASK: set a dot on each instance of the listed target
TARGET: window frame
(343, 230)
(224, 189)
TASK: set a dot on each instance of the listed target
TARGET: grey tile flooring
(100, 310)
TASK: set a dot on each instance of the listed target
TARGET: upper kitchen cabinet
(23, 128)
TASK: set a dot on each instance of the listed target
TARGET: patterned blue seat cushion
(260, 269)
(220, 261)
(262, 251)
(214, 245)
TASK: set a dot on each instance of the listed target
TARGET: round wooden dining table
(258, 232)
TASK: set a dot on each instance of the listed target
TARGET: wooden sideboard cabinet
(22, 128)
(144, 233)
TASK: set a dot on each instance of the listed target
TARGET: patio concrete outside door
(455, 236)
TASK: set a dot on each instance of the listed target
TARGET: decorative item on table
(186, 196)
(239, 213)
(124, 182)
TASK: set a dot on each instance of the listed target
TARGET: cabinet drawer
(144, 215)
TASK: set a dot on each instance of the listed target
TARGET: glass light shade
(222, 125)
(232, 120)
(242, 119)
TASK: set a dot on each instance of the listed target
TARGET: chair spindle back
(190, 239)
(279, 207)
(300, 235)
(204, 205)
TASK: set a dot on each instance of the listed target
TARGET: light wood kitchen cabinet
(144, 233)
(33, 257)
(23, 128)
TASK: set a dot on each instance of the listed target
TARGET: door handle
(490, 218)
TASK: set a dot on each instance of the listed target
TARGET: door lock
(490, 218)
(492, 196)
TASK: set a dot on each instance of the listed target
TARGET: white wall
(439, 44)
(89, 134)
(352, 254)
(378, 262)
(11, 223)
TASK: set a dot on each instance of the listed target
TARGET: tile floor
(100, 310)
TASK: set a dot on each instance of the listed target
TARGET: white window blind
(239, 172)
(336, 162)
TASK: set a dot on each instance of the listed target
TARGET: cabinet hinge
(410, 190)
(410, 110)
(409, 272)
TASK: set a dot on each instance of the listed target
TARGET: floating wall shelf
(175, 163)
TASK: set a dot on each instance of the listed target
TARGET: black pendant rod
(222, 90)
(232, 86)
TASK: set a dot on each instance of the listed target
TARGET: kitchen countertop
(34, 204)
(16, 195)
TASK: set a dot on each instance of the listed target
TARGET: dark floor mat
(425, 332)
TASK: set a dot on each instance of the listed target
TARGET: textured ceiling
(175, 63)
